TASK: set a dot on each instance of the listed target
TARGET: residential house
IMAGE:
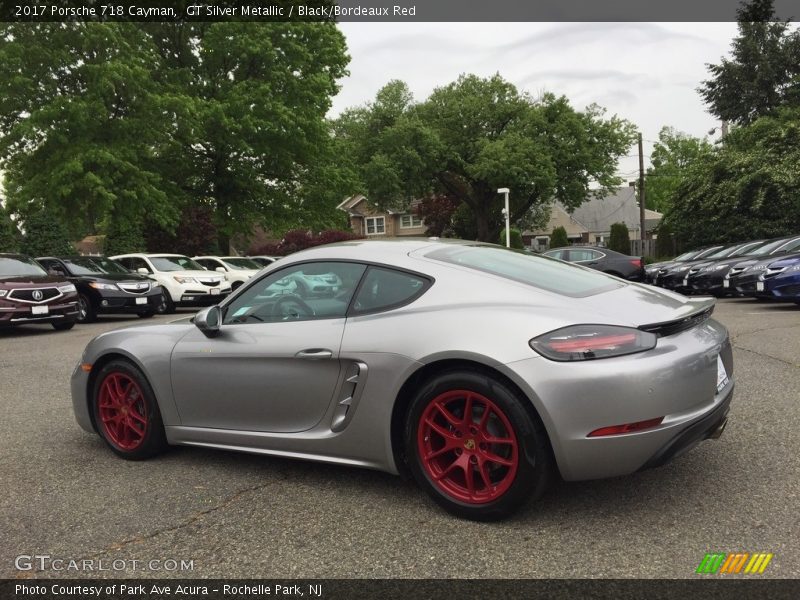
(368, 220)
(591, 222)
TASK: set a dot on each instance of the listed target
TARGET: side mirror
(220, 270)
(142, 271)
(208, 321)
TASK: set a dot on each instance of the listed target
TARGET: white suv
(236, 268)
(185, 282)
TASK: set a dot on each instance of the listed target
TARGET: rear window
(537, 271)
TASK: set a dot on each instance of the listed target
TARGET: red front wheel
(474, 447)
(126, 412)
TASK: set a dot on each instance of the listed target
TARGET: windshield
(792, 245)
(241, 263)
(94, 265)
(746, 248)
(766, 248)
(687, 256)
(19, 265)
(541, 272)
(175, 263)
(725, 252)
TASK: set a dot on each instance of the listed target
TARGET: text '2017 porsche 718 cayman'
(478, 370)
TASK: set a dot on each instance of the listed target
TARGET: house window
(376, 225)
(410, 221)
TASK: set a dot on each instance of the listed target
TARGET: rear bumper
(702, 429)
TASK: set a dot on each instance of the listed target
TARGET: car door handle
(314, 354)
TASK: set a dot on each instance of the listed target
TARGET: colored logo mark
(734, 562)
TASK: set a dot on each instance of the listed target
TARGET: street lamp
(507, 215)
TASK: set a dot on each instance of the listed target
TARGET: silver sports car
(480, 371)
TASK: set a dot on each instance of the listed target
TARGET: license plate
(141, 301)
(726, 283)
(722, 374)
(40, 310)
(214, 291)
(759, 286)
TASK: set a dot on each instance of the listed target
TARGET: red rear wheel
(475, 446)
(126, 412)
(467, 445)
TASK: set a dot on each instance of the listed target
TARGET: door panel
(255, 377)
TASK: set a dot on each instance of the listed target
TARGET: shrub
(619, 241)
(300, 239)
(558, 239)
(45, 236)
(516, 239)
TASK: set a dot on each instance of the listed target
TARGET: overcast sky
(644, 72)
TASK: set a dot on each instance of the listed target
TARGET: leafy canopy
(475, 135)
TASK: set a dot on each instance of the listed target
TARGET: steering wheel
(291, 308)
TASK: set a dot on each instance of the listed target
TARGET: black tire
(498, 490)
(166, 306)
(86, 310)
(63, 326)
(112, 405)
(146, 315)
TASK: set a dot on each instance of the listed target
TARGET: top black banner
(408, 11)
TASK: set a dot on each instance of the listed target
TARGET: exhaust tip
(717, 432)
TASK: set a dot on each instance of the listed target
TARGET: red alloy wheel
(123, 411)
(467, 447)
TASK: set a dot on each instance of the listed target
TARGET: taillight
(589, 342)
(637, 262)
(626, 428)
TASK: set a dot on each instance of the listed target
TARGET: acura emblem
(37, 295)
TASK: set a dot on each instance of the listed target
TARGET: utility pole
(641, 198)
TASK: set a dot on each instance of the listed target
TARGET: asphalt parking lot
(234, 515)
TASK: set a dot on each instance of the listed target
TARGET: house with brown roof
(368, 220)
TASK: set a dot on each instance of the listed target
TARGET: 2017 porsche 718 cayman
(478, 370)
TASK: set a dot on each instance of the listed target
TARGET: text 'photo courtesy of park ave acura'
(327, 299)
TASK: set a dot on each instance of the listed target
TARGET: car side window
(384, 289)
(140, 263)
(301, 292)
(582, 255)
(555, 254)
(208, 264)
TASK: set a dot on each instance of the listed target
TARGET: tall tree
(44, 236)
(763, 72)
(475, 135)
(672, 154)
(79, 124)
(746, 189)
(100, 121)
(9, 234)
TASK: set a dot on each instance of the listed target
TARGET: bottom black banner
(400, 589)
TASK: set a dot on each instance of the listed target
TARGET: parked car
(29, 295)
(743, 276)
(264, 261)
(672, 278)
(782, 279)
(584, 374)
(601, 259)
(184, 282)
(707, 277)
(105, 286)
(237, 269)
(651, 270)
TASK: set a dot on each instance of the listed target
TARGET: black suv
(29, 295)
(105, 286)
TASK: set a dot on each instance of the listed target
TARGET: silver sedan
(479, 371)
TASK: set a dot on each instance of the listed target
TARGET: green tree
(559, 239)
(746, 189)
(96, 117)
(9, 234)
(619, 241)
(475, 135)
(80, 121)
(195, 235)
(45, 236)
(763, 73)
(671, 155)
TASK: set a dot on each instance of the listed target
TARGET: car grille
(27, 295)
(733, 272)
(678, 325)
(210, 282)
(773, 272)
(134, 287)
